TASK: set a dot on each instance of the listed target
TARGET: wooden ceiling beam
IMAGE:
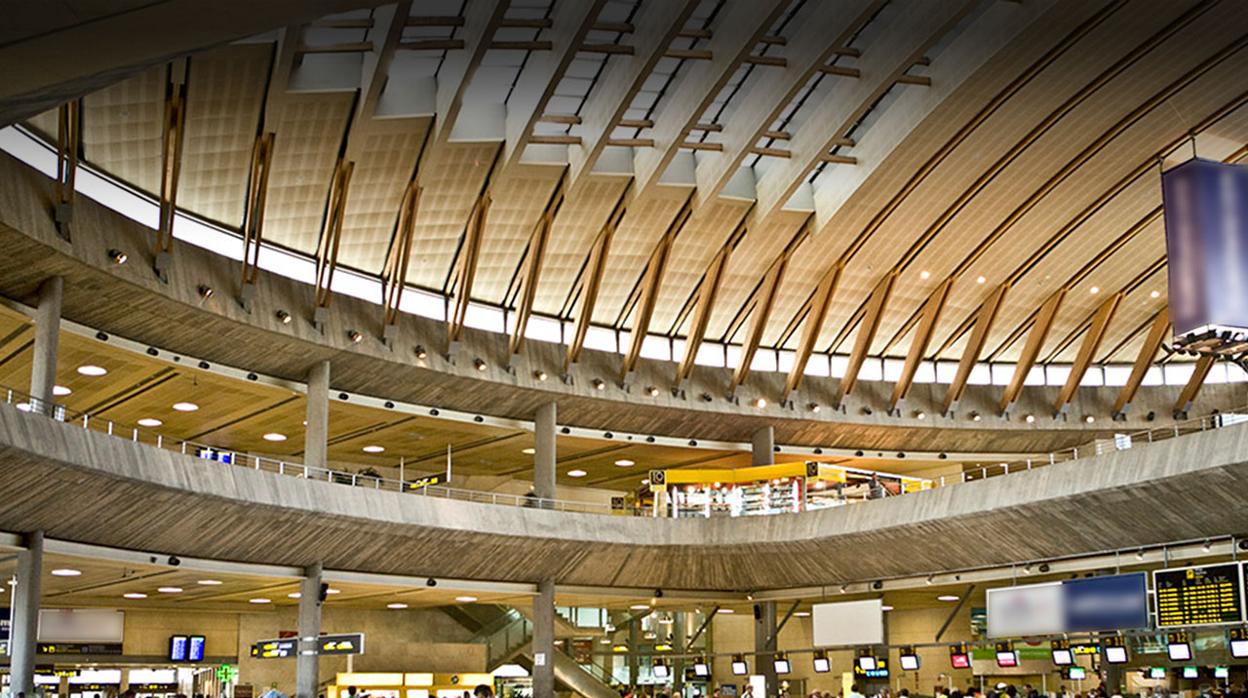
(482, 19)
(1091, 342)
(466, 267)
(330, 239)
(932, 311)
(651, 283)
(812, 327)
(1035, 342)
(592, 282)
(620, 81)
(68, 146)
(1194, 384)
(436, 21)
(394, 275)
(383, 42)
(896, 47)
(1144, 361)
(707, 294)
(433, 45)
(984, 321)
(739, 28)
(173, 128)
(866, 334)
(765, 301)
(253, 215)
(533, 261)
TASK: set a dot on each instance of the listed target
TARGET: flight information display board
(1207, 595)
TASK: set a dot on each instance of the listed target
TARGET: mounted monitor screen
(1207, 595)
(848, 624)
(1006, 660)
(1063, 657)
(1116, 655)
(960, 661)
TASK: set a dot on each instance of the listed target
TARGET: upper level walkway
(110, 489)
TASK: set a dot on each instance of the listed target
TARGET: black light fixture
(822, 664)
(975, 416)
(540, 375)
(117, 256)
(480, 364)
(283, 317)
(652, 391)
(599, 384)
(205, 291)
(740, 667)
(421, 352)
(355, 336)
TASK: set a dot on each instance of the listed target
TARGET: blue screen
(177, 648)
(195, 652)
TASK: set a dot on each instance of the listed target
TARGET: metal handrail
(137, 434)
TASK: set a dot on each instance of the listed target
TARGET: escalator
(508, 634)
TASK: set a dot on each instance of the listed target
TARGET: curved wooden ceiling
(872, 177)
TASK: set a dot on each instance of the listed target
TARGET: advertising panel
(848, 623)
(1076, 605)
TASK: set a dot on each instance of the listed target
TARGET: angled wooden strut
(68, 145)
(331, 237)
(253, 217)
(173, 128)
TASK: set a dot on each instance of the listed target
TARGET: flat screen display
(701, 669)
(1157, 673)
(866, 663)
(1007, 659)
(822, 665)
(178, 647)
(1179, 652)
(1077, 673)
(195, 648)
(661, 671)
(909, 662)
(1206, 595)
(783, 666)
(1239, 649)
(1221, 672)
(1063, 657)
(1116, 655)
(1191, 672)
(740, 668)
(960, 661)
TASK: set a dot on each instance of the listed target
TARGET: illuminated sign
(880, 670)
(960, 656)
(178, 648)
(275, 649)
(351, 643)
(78, 648)
(423, 482)
(1237, 640)
(1061, 652)
(1207, 595)
(1006, 656)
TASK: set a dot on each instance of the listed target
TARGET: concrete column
(764, 446)
(47, 338)
(765, 644)
(634, 663)
(23, 634)
(544, 451)
(307, 665)
(316, 433)
(544, 640)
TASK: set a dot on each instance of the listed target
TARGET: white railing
(280, 466)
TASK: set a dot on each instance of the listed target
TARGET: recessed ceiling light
(529, 451)
(374, 449)
(802, 614)
(981, 280)
(294, 595)
(150, 422)
(886, 608)
(641, 606)
(92, 370)
(577, 473)
(23, 406)
(60, 390)
(1094, 290)
(946, 597)
(624, 463)
(274, 436)
(331, 591)
(258, 601)
(170, 590)
(65, 572)
(925, 275)
(396, 606)
(726, 610)
(185, 406)
(760, 403)
(209, 582)
(134, 595)
(1155, 294)
(465, 599)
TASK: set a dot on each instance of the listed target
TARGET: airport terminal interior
(624, 349)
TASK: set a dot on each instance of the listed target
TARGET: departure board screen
(1199, 595)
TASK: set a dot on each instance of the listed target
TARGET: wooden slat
(651, 283)
(761, 314)
(432, 45)
(344, 47)
(866, 334)
(1091, 342)
(533, 262)
(253, 216)
(932, 311)
(466, 266)
(592, 282)
(173, 128)
(907, 79)
(984, 321)
(68, 145)
(708, 291)
(840, 71)
(394, 275)
(1144, 361)
(331, 237)
(555, 139)
(814, 325)
(1199, 374)
(1035, 341)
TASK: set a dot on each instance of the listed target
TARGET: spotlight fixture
(1207, 546)
(421, 352)
(760, 403)
(706, 397)
(599, 384)
(480, 364)
(540, 375)
(1139, 554)
(920, 415)
(813, 407)
(117, 256)
(866, 411)
(1044, 567)
(1029, 418)
(283, 317)
(355, 336)
(975, 417)
(652, 391)
(205, 291)
(1089, 419)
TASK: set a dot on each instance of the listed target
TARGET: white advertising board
(848, 623)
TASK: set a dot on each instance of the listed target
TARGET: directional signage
(351, 643)
(1208, 595)
(275, 649)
